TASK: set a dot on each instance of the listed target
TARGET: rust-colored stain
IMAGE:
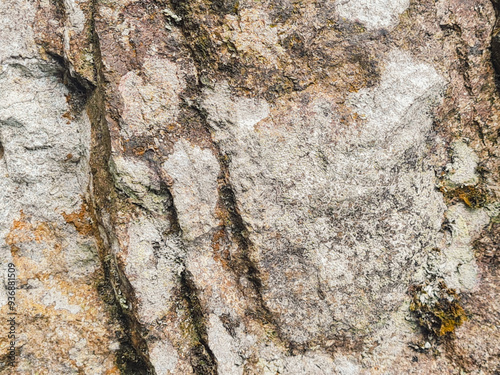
(68, 115)
(81, 220)
(221, 252)
(24, 231)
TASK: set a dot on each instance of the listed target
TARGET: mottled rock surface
(250, 187)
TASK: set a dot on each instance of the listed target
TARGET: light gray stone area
(150, 99)
(462, 169)
(153, 266)
(163, 357)
(308, 363)
(225, 348)
(76, 17)
(16, 18)
(140, 183)
(153, 263)
(250, 187)
(456, 262)
(44, 168)
(194, 172)
(341, 223)
(374, 14)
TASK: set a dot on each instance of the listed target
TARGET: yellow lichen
(439, 311)
(472, 196)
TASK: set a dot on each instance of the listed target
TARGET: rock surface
(238, 187)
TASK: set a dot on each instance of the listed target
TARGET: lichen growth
(473, 196)
(437, 309)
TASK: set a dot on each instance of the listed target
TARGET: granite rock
(239, 187)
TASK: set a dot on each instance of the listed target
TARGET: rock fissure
(132, 356)
(241, 263)
(202, 357)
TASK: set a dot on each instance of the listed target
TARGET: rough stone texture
(63, 326)
(240, 187)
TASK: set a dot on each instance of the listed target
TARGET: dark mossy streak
(495, 43)
(197, 37)
(132, 356)
(202, 358)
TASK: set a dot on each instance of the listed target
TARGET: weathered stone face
(62, 324)
(317, 206)
(241, 187)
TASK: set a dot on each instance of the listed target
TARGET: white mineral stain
(463, 167)
(59, 301)
(374, 14)
(75, 15)
(346, 366)
(458, 262)
(242, 112)
(396, 108)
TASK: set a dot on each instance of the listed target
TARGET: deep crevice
(495, 43)
(132, 356)
(241, 263)
(134, 350)
(205, 58)
(202, 358)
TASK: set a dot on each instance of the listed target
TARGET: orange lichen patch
(113, 371)
(472, 196)
(55, 317)
(438, 315)
(24, 231)
(81, 220)
(36, 249)
(29, 268)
